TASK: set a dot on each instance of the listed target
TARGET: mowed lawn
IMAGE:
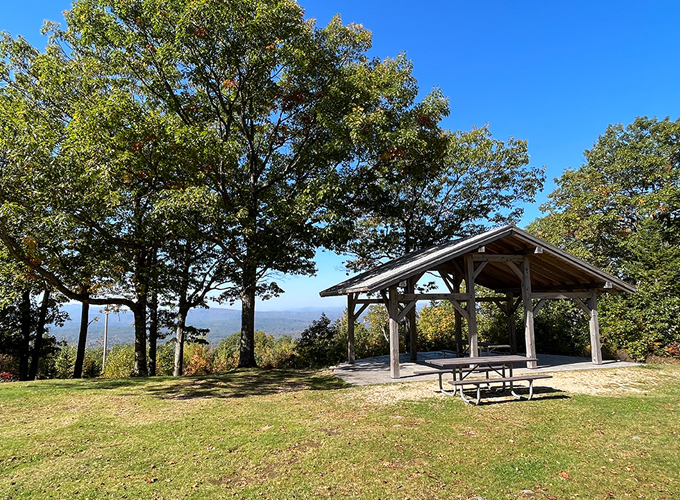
(288, 434)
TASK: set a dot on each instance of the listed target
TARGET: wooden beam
(497, 257)
(393, 313)
(502, 305)
(458, 315)
(583, 306)
(361, 310)
(448, 282)
(369, 301)
(511, 324)
(386, 300)
(408, 297)
(471, 304)
(479, 269)
(412, 323)
(513, 267)
(539, 306)
(405, 310)
(456, 305)
(570, 287)
(517, 303)
(529, 334)
(560, 295)
(594, 323)
(351, 302)
(459, 271)
(405, 298)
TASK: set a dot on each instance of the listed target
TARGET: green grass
(279, 434)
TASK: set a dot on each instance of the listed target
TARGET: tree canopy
(428, 189)
(234, 128)
(621, 211)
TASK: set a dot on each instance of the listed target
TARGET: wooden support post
(413, 333)
(458, 319)
(351, 303)
(529, 336)
(393, 312)
(471, 304)
(512, 332)
(595, 348)
(412, 326)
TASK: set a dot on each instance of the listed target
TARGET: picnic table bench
(452, 371)
(477, 383)
(465, 367)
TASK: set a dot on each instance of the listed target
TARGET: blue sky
(552, 73)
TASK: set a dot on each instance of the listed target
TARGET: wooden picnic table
(490, 361)
(464, 367)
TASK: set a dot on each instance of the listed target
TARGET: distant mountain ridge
(222, 323)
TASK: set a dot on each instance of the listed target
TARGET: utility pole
(106, 336)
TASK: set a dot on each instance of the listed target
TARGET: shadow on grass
(492, 397)
(235, 384)
(249, 382)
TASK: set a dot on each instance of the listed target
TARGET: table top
(478, 360)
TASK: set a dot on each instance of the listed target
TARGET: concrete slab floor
(377, 370)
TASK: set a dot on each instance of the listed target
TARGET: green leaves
(424, 185)
(621, 211)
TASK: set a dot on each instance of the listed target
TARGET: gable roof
(553, 270)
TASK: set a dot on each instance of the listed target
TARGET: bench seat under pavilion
(523, 271)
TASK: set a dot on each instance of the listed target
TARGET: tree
(87, 163)
(621, 211)
(271, 107)
(425, 191)
(318, 345)
(28, 306)
(192, 271)
(436, 326)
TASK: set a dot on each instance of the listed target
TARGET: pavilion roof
(552, 269)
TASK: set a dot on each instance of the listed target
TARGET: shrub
(270, 352)
(92, 363)
(8, 364)
(321, 344)
(120, 361)
(226, 354)
(198, 359)
(65, 360)
(165, 358)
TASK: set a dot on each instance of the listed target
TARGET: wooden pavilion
(522, 269)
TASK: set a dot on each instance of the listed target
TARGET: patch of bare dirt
(610, 382)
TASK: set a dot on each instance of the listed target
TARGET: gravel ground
(609, 382)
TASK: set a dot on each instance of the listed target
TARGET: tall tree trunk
(25, 343)
(247, 347)
(141, 291)
(179, 339)
(140, 368)
(153, 332)
(82, 339)
(40, 332)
